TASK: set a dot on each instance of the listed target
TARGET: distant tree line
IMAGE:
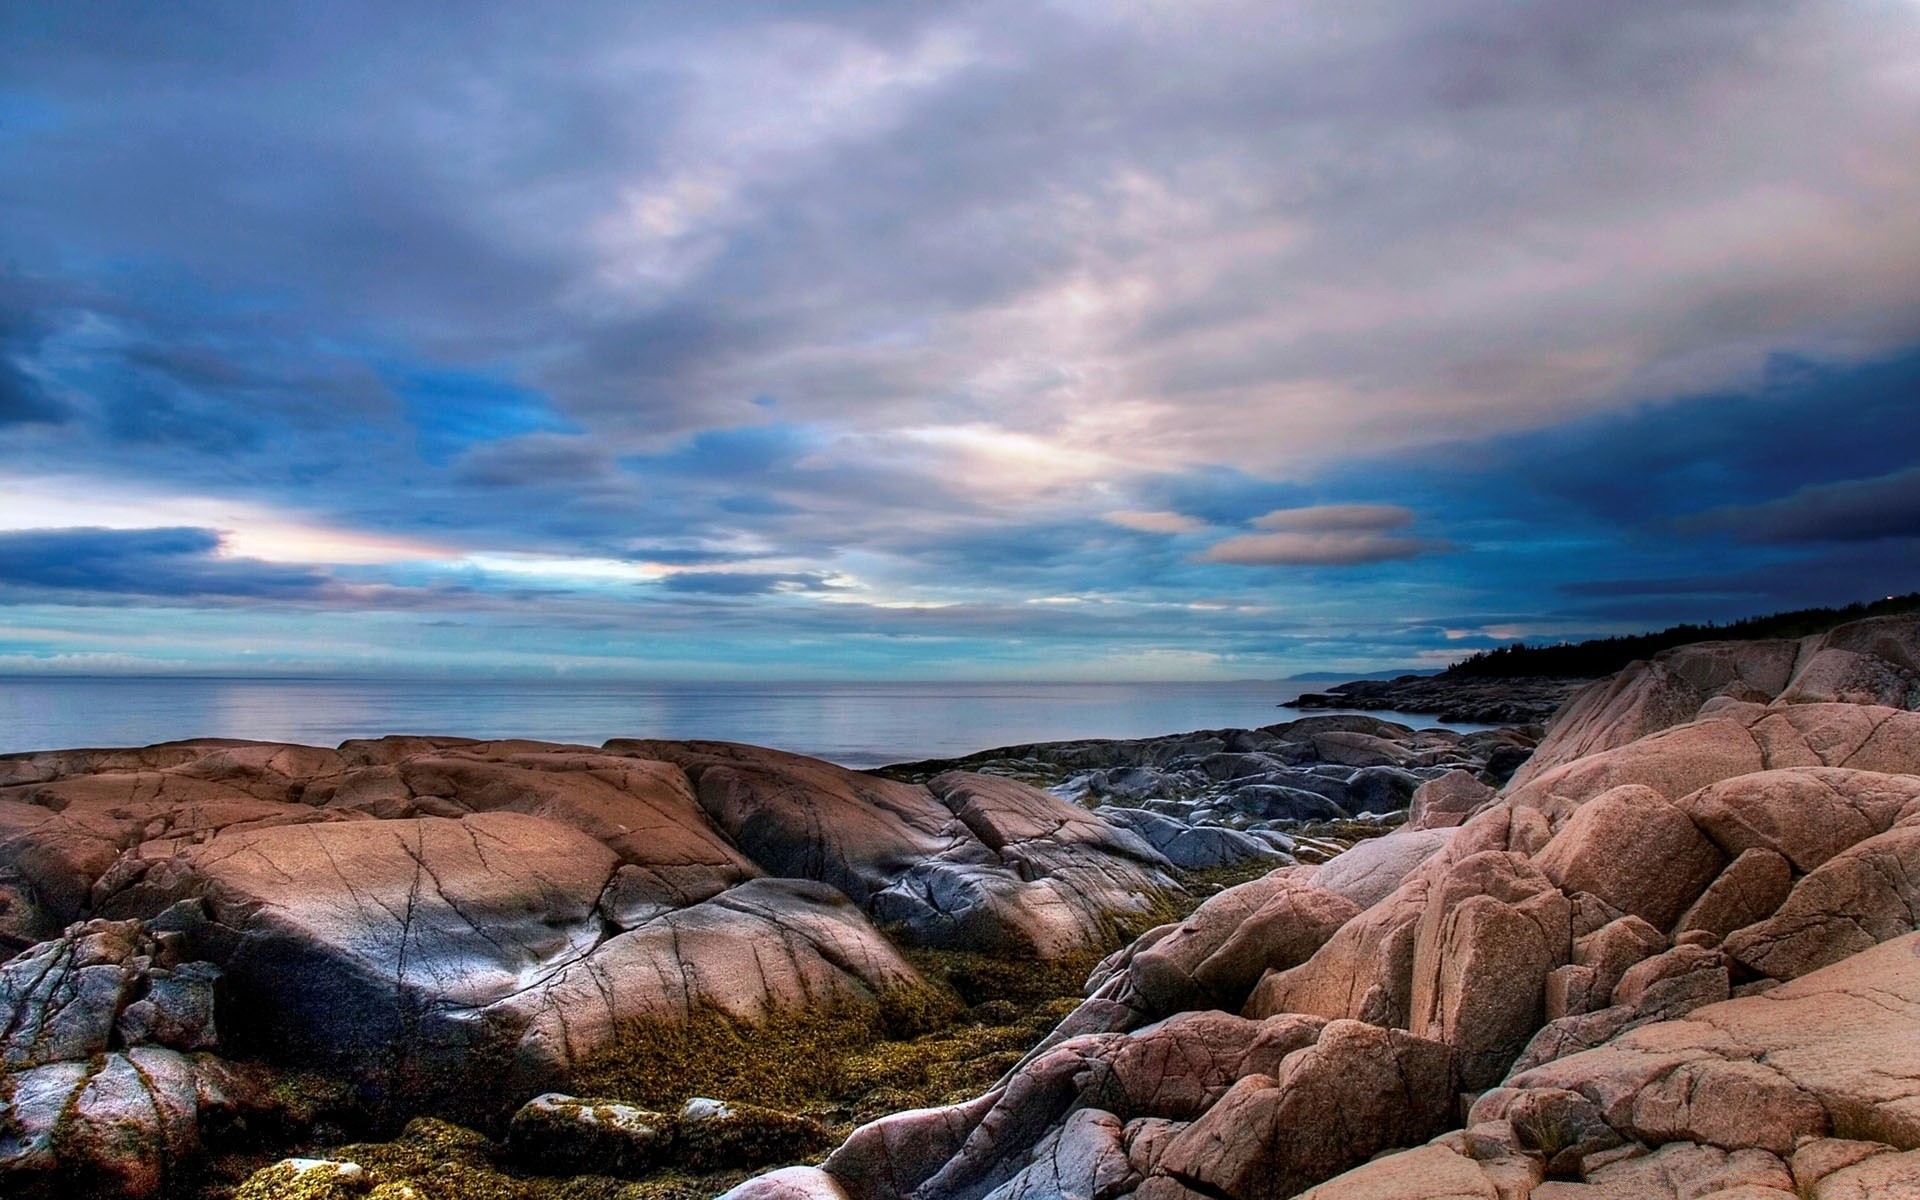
(1604, 656)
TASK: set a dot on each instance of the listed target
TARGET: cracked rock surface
(1674, 957)
(456, 924)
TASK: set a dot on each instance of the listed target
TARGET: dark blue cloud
(742, 583)
(170, 563)
(23, 401)
(1851, 510)
(1808, 423)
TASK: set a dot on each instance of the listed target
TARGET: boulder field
(1674, 957)
(451, 926)
(221, 941)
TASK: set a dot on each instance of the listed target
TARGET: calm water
(856, 724)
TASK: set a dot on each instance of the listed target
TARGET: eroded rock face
(1359, 1088)
(432, 914)
(1675, 958)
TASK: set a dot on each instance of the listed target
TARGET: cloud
(1851, 510)
(536, 460)
(1336, 518)
(1153, 522)
(1334, 549)
(23, 401)
(747, 583)
(977, 303)
(174, 563)
(1325, 535)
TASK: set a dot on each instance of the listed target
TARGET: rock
(1863, 895)
(765, 947)
(1455, 697)
(1373, 868)
(1354, 749)
(114, 1126)
(1192, 847)
(790, 1183)
(1278, 802)
(1085, 1157)
(1179, 1068)
(895, 1155)
(1361, 1087)
(1703, 971)
(1426, 1173)
(558, 1134)
(63, 997)
(1803, 1060)
(1816, 1158)
(1448, 801)
(1684, 1170)
(710, 1135)
(1563, 1128)
(178, 1010)
(1670, 863)
(1365, 970)
(1674, 762)
(1492, 929)
(1883, 1177)
(1381, 789)
(1609, 951)
(1217, 954)
(1806, 814)
(96, 987)
(1660, 988)
(1749, 890)
(307, 1179)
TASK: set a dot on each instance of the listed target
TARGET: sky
(915, 340)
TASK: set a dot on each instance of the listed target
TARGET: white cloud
(1154, 522)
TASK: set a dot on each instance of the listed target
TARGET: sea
(854, 724)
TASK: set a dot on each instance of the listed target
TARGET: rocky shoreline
(1676, 956)
(1485, 700)
(1638, 959)
(228, 946)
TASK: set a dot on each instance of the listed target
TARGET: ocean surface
(855, 724)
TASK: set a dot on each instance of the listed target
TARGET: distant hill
(1604, 656)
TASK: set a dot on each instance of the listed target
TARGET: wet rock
(1193, 847)
(1381, 789)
